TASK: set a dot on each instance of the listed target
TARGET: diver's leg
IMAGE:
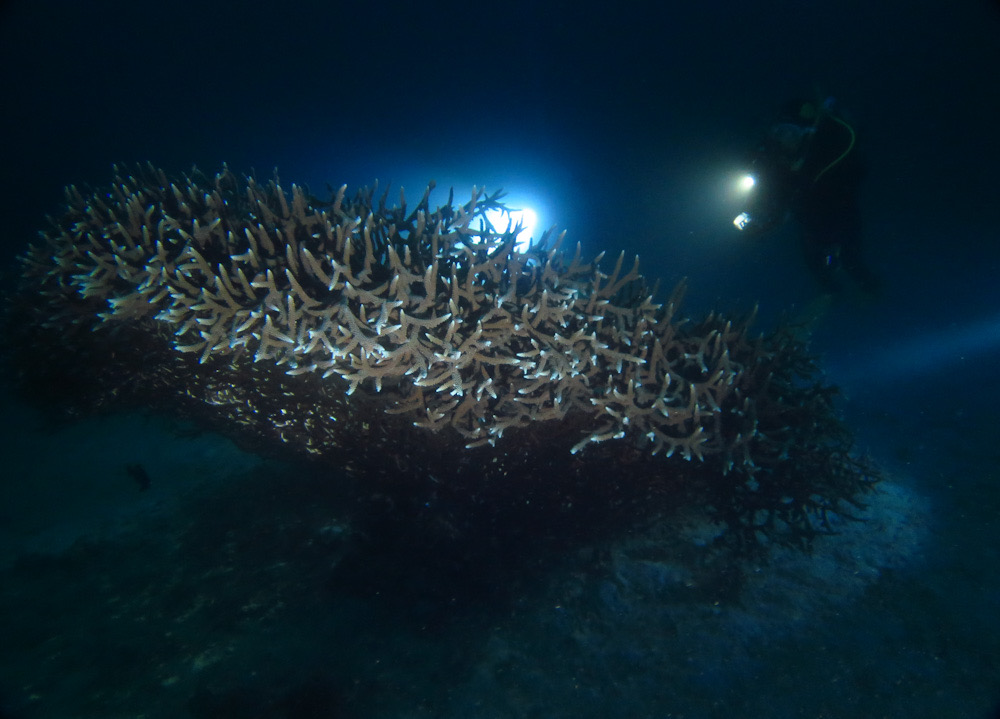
(822, 265)
(853, 263)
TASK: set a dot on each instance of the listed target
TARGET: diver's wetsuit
(813, 171)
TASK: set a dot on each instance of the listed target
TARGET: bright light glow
(928, 354)
(746, 183)
(500, 219)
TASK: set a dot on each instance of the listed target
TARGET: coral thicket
(397, 340)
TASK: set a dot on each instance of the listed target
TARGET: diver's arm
(766, 210)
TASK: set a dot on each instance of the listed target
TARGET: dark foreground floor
(237, 588)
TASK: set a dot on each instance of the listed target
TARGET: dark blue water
(210, 595)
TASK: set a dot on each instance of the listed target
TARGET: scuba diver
(808, 167)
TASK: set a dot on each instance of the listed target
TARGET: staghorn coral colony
(416, 342)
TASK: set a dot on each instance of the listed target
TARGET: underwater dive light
(743, 187)
(527, 218)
